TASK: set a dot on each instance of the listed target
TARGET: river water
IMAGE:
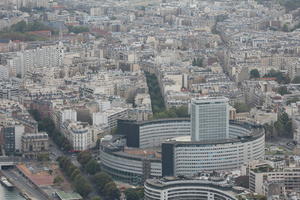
(6, 194)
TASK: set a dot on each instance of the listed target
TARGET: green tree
(35, 114)
(198, 62)
(75, 173)
(78, 29)
(84, 157)
(285, 28)
(283, 90)
(43, 157)
(172, 113)
(296, 80)
(269, 130)
(82, 186)
(132, 194)
(19, 27)
(254, 73)
(157, 102)
(241, 107)
(58, 180)
(293, 100)
(279, 76)
(92, 167)
(96, 198)
(101, 179)
(110, 191)
(283, 126)
(242, 181)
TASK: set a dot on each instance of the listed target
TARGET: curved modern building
(182, 156)
(148, 134)
(206, 142)
(131, 165)
(172, 188)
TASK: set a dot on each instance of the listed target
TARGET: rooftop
(68, 196)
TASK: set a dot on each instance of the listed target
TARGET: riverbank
(10, 194)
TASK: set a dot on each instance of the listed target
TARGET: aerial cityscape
(150, 99)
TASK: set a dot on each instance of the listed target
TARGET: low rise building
(34, 144)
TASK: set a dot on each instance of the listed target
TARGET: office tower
(209, 118)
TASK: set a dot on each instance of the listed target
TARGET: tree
(283, 90)
(132, 194)
(84, 157)
(110, 191)
(269, 130)
(241, 107)
(96, 198)
(58, 180)
(35, 114)
(242, 181)
(43, 157)
(78, 29)
(293, 100)
(82, 186)
(75, 173)
(254, 73)
(296, 80)
(279, 76)
(92, 167)
(19, 27)
(101, 179)
(172, 113)
(283, 126)
(157, 102)
(198, 62)
(285, 28)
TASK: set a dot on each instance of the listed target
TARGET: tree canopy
(254, 73)
(78, 29)
(111, 191)
(92, 167)
(198, 62)
(283, 126)
(296, 80)
(279, 76)
(47, 125)
(241, 107)
(134, 193)
(81, 184)
(157, 102)
(283, 90)
(172, 113)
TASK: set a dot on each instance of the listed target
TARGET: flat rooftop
(68, 196)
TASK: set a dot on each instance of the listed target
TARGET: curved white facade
(129, 168)
(182, 157)
(154, 133)
(186, 189)
(191, 158)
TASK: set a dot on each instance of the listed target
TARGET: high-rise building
(46, 56)
(12, 134)
(209, 118)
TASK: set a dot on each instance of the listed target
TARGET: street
(23, 185)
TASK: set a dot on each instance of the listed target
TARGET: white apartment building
(79, 135)
(47, 56)
(29, 3)
(4, 72)
(100, 119)
(104, 105)
(68, 114)
(260, 176)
